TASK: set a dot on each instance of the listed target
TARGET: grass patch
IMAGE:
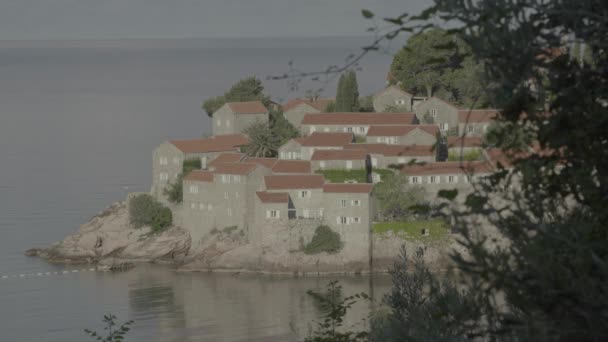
(411, 230)
(471, 155)
(358, 175)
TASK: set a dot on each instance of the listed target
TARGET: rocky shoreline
(109, 240)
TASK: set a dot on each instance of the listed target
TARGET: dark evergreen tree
(441, 149)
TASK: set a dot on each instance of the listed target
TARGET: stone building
(382, 155)
(303, 148)
(341, 160)
(235, 117)
(168, 158)
(475, 122)
(356, 123)
(403, 135)
(294, 110)
(393, 97)
(460, 145)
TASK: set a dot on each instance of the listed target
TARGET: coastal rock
(109, 235)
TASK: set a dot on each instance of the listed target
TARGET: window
(392, 140)
(361, 129)
(415, 180)
(225, 178)
(434, 113)
(381, 140)
(273, 214)
(349, 164)
(304, 194)
(237, 179)
(283, 155)
(164, 176)
(468, 178)
(322, 164)
(434, 179)
(349, 129)
(326, 129)
(306, 213)
(452, 179)
(470, 128)
(343, 203)
(356, 220)
(400, 102)
(342, 220)
(225, 195)
(193, 189)
(443, 126)
(163, 161)
(356, 203)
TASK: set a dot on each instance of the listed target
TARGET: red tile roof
(273, 197)
(359, 119)
(218, 143)
(447, 168)
(266, 162)
(465, 142)
(292, 166)
(339, 155)
(251, 107)
(327, 139)
(476, 115)
(199, 176)
(234, 168)
(319, 104)
(393, 150)
(344, 188)
(226, 158)
(396, 131)
(285, 182)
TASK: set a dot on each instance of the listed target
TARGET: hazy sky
(110, 19)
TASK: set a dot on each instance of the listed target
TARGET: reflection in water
(220, 306)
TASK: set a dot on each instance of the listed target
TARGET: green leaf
(367, 14)
(448, 194)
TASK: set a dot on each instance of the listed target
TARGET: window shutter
(267, 213)
(278, 214)
(338, 220)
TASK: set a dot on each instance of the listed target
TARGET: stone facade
(443, 113)
(233, 118)
(392, 97)
(403, 135)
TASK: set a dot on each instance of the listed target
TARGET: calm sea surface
(78, 123)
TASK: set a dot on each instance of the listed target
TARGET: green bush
(359, 175)
(175, 190)
(230, 229)
(191, 164)
(324, 240)
(144, 211)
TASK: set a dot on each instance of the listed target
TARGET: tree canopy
(248, 89)
(347, 94)
(437, 62)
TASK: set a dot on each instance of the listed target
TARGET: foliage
(262, 141)
(229, 229)
(347, 97)
(548, 284)
(145, 211)
(441, 149)
(397, 198)
(324, 240)
(437, 62)
(248, 89)
(360, 139)
(411, 230)
(190, 165)
(423, 307)
(330, 107)
(427, 118)
(175, 190)
(335, 308)
(366, 104)
(114, 332)
(281, 127)
(471, 155)
(509, 136)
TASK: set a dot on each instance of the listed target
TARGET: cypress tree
(353, 92)
(340, 94)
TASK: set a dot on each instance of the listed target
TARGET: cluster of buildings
(262, 196)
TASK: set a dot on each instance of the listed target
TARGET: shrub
(324, 240)
(144, 211)
(191, 164)
(471, 155)
(229, 229)
(175, 190)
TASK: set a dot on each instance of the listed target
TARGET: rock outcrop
(109, 236)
